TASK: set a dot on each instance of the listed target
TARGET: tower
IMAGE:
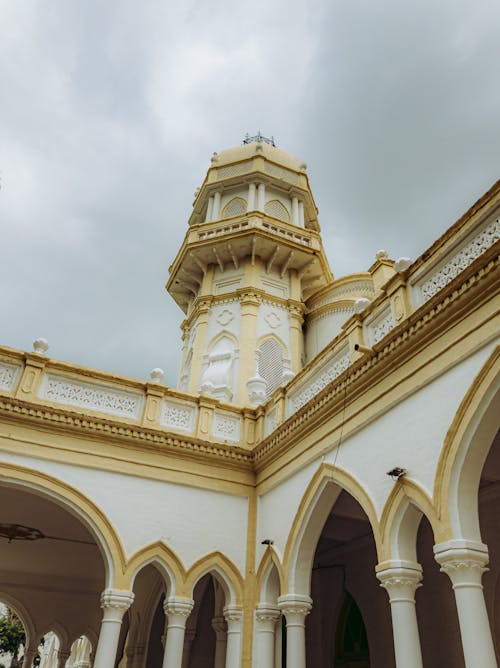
(250, 258)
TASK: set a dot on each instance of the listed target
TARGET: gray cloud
(111, 111)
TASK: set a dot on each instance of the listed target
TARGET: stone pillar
(464, 562)
(216, 206)
(295, 211)
(251, 197)
(302, 221)
(220, 628)
(177, 611)
(62, 656)
(266, 617)
(115, 603)
(400, 579)
(29, 656)
(210, 208)
(261, 197)
(234, 619)
(295, 607)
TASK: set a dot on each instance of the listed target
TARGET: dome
(246, 151)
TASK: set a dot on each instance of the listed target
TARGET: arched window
(235, 207)
(351, 638)
(271, 364)
(276, 209)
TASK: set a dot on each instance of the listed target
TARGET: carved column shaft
(234, 619)
(465, 562)
(295, 607)
(115, 604)
(177, 611)
(400, 581)
(265, 625)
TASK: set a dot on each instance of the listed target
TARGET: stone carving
(320, 379)
(105, 399)
(177, 416)
(9, 374)
(273, 319)
(345, 291)
(272, 420)
(225, 317)
(380, 326)
(226, 427)
(461, 260)
(234, 170)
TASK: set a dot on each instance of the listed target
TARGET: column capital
(233, 614)
(463, 561)
(117, 599)
(400, 579)
(295, 605)
(178, 606)
(267, 613)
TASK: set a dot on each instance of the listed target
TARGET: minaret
(251, 257)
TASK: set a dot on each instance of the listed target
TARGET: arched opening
(51, 564)
(13, 637)
(349, 624)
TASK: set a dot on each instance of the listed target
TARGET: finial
(360, 304)
(381, 255)
(156, 375)
(259, 137)
(402, 264)
(40, 346)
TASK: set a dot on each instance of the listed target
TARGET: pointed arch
(157, 554)
(269, 563)
(464, 452)
(277, 209)
(224, 334)
(60, 631)
(80, 506)
(32, 633)
(223, 570)
(237, 206)
(315, 506)
(400, 520)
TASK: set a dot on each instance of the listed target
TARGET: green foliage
(12, 635)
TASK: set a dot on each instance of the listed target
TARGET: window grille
(276, 209)
(271, 364)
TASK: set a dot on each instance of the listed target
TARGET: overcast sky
(111, 110)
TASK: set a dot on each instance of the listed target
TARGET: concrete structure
(323, 487)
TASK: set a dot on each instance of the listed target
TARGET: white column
(251, 197)
(295, 607)
(210, 208)
(400, 579)
(266, 617)
(115, 603)
(234, 619)
(261, 197)
(295, 211)
(465, 562)
(177, 611)
(29, 657)
(220, 628)
(302, 222)
(216, 206)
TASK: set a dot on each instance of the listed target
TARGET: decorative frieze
(379, 325)
(459, 260)
(234, 170)
(177, 415)
(314, 384)
(9, 374)
(281, 173)
(272, 420)
(92, 396)
(226, 427)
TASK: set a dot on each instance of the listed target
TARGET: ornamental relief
(332, 370)
(9, 374)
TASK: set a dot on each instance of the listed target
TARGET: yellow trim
(157, 552)
(344, 480)
(269, 557)
(218, 562)
(64, 492)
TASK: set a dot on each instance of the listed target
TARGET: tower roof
(254, 148)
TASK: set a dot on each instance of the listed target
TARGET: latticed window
(271, 364)
(276, 209)
(236, 207)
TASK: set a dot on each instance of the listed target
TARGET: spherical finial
(40, 346)
(402, 264)
(157, 375)
(381, 255)
(360, 304)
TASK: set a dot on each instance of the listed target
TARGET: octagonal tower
(251, 257)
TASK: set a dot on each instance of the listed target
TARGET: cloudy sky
(111, 110)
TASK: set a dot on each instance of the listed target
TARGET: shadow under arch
(32, 634)
(315, 506)
(164, 559)
(78, 505)
(269, 564)
(58, 630)
(464, 453)
(224, 571)
(400, 519)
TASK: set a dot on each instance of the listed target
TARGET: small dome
(247, 151)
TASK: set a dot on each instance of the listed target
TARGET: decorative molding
(272, 420)
(92, 396)
(117, 599)
(281, 172)
(460, 260)
(178, 415)
(314, 384)
(343, 292)
(9, 375)
(379, 325)
(226, 427)
(234, 170)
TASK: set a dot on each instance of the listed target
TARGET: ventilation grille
(271, 365)
(236, 207)
(233, 170)
(276, 209)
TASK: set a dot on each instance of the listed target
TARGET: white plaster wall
(223, 317)
(273, 284)
(228, 280)
(274, 319)
(322, 330)
(411, 436)
(192, 522)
